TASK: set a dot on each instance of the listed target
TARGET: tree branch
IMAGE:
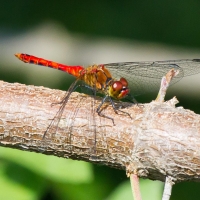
(158, 140)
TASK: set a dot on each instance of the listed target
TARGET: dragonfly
(118, 80)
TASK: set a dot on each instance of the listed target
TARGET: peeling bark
(159, 140)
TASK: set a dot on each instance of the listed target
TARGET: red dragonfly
(115, 80)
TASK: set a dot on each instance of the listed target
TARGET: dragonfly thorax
(97, 77)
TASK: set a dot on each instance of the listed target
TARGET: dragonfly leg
(131, 99)
(99, 110)
(115, 109)
(72, 88)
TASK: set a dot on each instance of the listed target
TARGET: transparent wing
(144, 77)
(77, 110)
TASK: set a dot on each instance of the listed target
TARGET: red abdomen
(73, 70)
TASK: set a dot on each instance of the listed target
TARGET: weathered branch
(158, 140)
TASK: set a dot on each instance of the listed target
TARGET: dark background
(154, 29)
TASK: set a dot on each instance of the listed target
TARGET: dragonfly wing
(53, 126)
(144, 77)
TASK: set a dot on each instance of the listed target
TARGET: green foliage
(29, 176)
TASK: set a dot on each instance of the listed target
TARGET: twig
(168, 188)
(135, 185)
(165, 84)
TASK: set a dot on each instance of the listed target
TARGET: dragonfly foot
(105, 116)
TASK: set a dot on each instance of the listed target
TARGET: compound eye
(117, 86)
(124, 82)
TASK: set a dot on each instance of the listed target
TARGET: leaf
(51, 167)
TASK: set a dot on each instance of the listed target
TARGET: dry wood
(159, 140)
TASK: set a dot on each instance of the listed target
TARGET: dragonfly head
(119, 89)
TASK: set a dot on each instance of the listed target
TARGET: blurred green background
(88, 32)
